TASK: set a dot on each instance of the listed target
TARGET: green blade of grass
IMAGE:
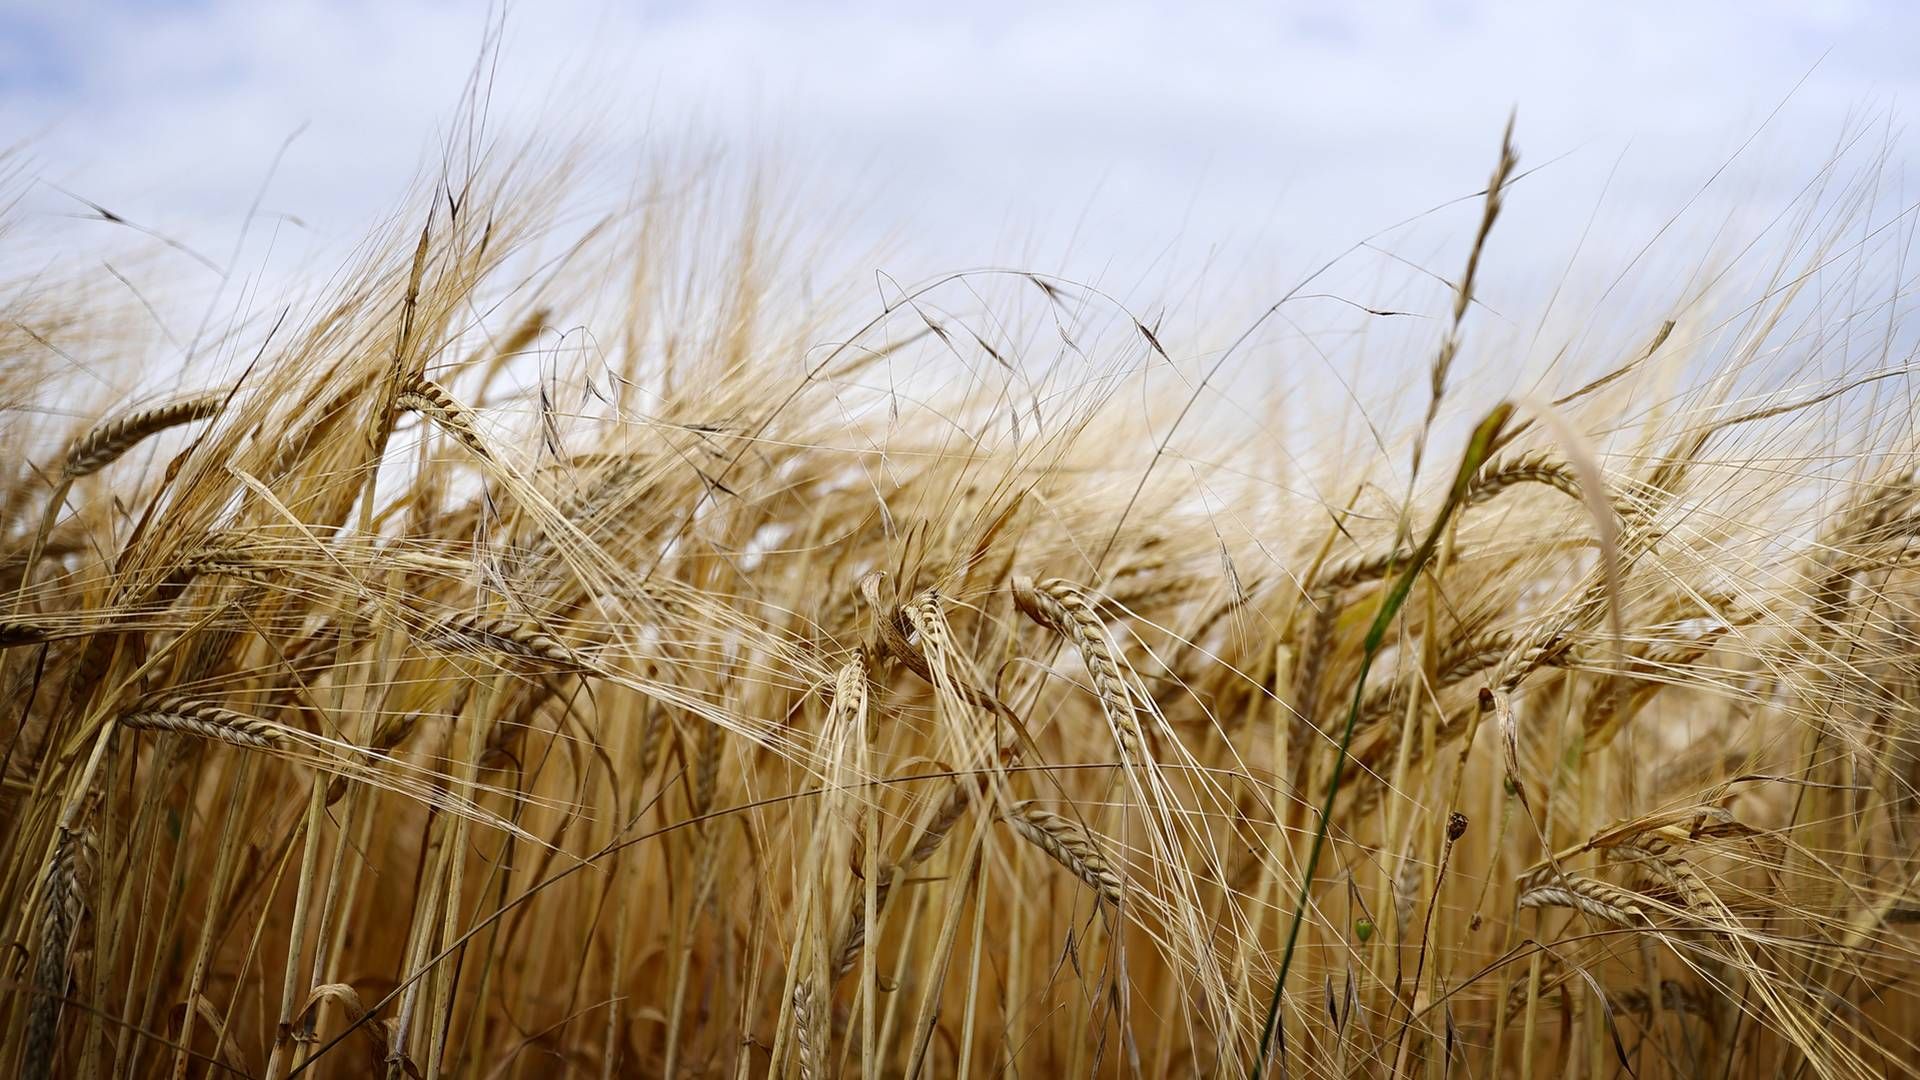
(1479, 447)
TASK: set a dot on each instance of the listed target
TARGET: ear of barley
(105, 444)
(16, 632)
(392, 731)
(1384, 706)
(433, 401)
(706, 771)
(809, 1042)
(652, 739)
(849, 697)
(1313, 664)
(230, 562)
(959, 797)
(174, 712)
(937, 659)
(849, 702)
(1060, 606)
(470, 630)
(512, 723)
(608, 484)
(1068, 844)
(1675, 996)
(1665, 862)
(1609, 903)
(1461, 660)
(854, 937)
(1406, 890)
(1551, 979)
(1357, 570)
(62, 903)
(1536, 467)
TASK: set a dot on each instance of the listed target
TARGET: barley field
(750, 679)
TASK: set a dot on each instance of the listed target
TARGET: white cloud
(1266, 137)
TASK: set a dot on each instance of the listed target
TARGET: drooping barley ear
(1501, 707)
(945, 665)
(512, 724)
(1539, 874)
(470, 630)
(959, 797)
(306, 661)
(1666, 863)
(1459, 661)
(706, 775)
(175, 712)
(91, 667)
(890, 639)
(1068, 844)
(1060, 606)
(1551, 979)
(429, 399)
(1675, 996)
(62, 903)
(104, 445)
(393, 731)
(212, 645)
(1535, 467)
(929, 621)
(854, 937)
(15, 632)
(609, 483)
(652, 739)
(850, 689)
(1357, 570)
(1609, 903)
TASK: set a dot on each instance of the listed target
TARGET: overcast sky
(1125, 143)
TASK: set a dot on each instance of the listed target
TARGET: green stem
(1479, 448)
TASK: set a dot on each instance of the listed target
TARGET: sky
(1220, 149)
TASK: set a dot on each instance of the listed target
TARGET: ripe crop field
(620, 655)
